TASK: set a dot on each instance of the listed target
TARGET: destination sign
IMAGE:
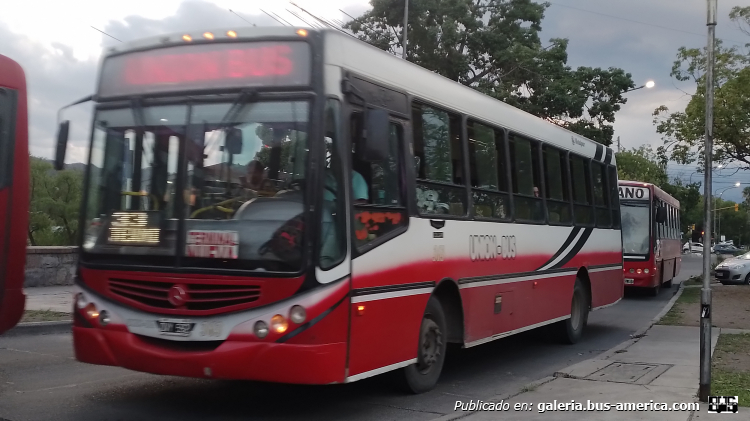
(212, 244)
(637, 193)
(206, 66)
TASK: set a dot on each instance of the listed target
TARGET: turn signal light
(187, 38)
(279, 324)
(360, 310)
(91, 311)
(232, 34)
(302, 32)
(208, 35)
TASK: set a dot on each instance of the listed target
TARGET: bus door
(13, 197)
(381, 308)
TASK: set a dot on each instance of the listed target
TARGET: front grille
(722, 274)
(200, 296)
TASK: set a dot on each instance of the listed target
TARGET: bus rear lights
(232, 34)
(360, 310)
(208, 35)
(297, 314)
(187, 38)
(645, 271)
(632, 270)
(302, 32)
(81, 301)
(279, 324)
(638, 271)
(260, 329)
(104, 318)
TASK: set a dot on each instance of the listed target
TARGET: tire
(431, 349)
(569, 331)
(668, 284)
(747, 279)
(655, 290)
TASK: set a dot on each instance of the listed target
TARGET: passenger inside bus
(255, 177)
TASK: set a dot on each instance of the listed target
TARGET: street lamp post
(716, 205)
(406, 22)
(704, 385)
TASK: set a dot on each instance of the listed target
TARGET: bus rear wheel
(570, 331)
(424, 374)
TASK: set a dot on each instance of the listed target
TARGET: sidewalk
(50, 298)
(662, 366)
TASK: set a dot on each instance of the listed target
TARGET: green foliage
(55, 204)
(493, 46)
(683, 131)
(641, 164)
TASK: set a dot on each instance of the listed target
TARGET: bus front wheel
(570, 330)
(424, 374)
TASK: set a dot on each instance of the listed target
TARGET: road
(40, 380)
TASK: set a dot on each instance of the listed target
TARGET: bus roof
(350, 53)
(13, 75)
(658, 192)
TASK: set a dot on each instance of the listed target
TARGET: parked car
(734, 270)
(728, 249)
(694, 248)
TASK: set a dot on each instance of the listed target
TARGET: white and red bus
(14, 191)
(297, 206)
(651, 237)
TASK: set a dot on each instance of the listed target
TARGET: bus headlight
(104, 318)
(279, 323)
(298, 314)
(81, 301)
(261, 329)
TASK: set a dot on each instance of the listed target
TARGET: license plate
(629, 281)
(175, 327)
(720, 275)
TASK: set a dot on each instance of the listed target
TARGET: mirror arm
(80, 101)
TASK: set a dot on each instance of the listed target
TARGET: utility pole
(704, 388)
(406, 24)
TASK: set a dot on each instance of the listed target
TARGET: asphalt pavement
(40, 380)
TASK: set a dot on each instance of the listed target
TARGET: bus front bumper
(232, 359)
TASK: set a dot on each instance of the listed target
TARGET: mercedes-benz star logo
(177, 295)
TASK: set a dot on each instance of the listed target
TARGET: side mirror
(661, 215)
(62, 144)
(375, 139)
(234, 141)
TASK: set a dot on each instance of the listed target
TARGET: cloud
(54, 78)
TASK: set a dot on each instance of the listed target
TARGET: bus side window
(558, 190)
(614, 197)
(488, 172)
(7, 134)
(580, 172)
(601, 193)
(440, 175)
(526, 179)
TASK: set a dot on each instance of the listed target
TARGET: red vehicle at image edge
(650, 236)
(296, 206)
(14, 191)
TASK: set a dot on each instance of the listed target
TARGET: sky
(59, 50)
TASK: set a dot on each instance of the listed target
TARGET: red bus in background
(14, 191)
(650, 235)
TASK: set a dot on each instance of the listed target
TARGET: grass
(44, 316)
(529, 388)
(694, 280)
(724, 380)
(688, 296)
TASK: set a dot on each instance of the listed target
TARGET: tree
(493, 46)
(641, 164)
(683, 131)
(55, 204)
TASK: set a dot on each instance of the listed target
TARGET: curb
(40, 328)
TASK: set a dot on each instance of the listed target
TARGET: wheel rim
(576, 313)
(430, 345)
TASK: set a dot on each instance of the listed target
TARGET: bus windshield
(635, 228)
(238, 167)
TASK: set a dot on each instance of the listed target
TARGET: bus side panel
(16, 203)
